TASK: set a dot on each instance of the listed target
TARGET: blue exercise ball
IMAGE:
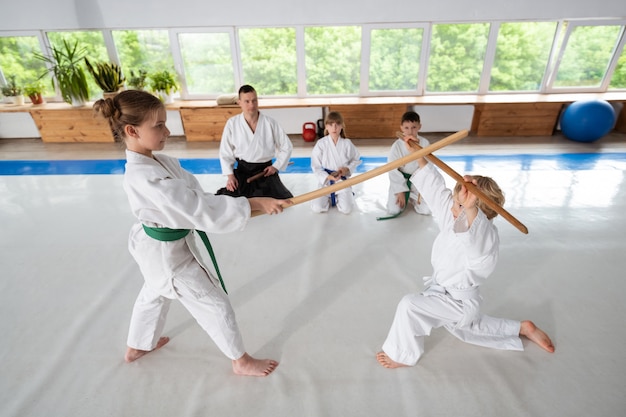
(587, 121)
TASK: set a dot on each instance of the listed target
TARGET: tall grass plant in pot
(65, 63)
(107, 75)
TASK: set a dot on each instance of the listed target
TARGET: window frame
(608, 74)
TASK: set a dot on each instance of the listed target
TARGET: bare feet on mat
(249, 366)
(536, 335)
(387, 362)
(134, 354)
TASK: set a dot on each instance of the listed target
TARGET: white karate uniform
(327, 155)
(268, 141)
(462, 259)
(397, 181)
(162, 194)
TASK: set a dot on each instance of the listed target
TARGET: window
(369, 60)
(269, 60)
(16, 53)
(333, 59)
(147, 50)
(586, 57)
(522, 54)
(93, 43)
(395, 59)
(207, 62)
(457, 52)
(619, 76)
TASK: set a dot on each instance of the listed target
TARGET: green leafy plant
(35, 91)
(138, 80)
(11, 89)
(33, 88)
(107, 75)
(164, 81)
(65, 64)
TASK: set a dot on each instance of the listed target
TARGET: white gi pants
(208, 304)
(343, 198)
(418, 314)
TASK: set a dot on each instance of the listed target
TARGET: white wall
(89, 14)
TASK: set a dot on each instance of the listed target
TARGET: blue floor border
(302, 165)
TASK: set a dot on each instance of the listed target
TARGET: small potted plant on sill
(163, 84)
(34, 91)
(13, 91)
(108, 76)
(65, 64)
(137, 81)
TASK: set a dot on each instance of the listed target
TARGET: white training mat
(317, 292)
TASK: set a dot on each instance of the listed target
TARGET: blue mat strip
(302, 165)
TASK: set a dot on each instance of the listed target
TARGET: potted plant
(34, 91)
(65, 65)
(164, 84)
(137, 80)
(13, 91)
(107, 75)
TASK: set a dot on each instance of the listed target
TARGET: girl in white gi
(334, 158)
(402, 192)
(464, 254)
(170, 206)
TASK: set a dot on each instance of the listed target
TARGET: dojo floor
(316, 292)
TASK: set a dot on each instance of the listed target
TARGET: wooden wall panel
(516, 119)
(620, 125)
(206, 124)
(71, 125)
(371, 121)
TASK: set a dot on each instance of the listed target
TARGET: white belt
(464, 294)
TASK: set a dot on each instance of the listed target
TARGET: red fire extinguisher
(308, 132)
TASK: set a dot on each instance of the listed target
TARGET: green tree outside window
(17, 59)
(269, 60)
(587, 56)
(522, 53)
(394, 59)
(457, 53)
(333, 59)
(207, 62)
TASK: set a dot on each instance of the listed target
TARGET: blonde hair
(335, 117)
(130, 107)
(491, 189)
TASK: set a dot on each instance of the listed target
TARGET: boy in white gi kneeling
(464, 254)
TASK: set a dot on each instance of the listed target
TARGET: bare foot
(387, 362)
(134, 354)
(248, 366)
(536, 335)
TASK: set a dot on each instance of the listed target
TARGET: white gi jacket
(327, 155)
(162, 194)
(267, 142)
(462, 257)
(397, 182)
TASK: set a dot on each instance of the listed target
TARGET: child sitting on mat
(402, 192)
(334, 158)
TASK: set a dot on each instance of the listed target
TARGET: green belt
(168, 235)
(407, 194)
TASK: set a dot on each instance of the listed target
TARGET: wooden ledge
(287, 102)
